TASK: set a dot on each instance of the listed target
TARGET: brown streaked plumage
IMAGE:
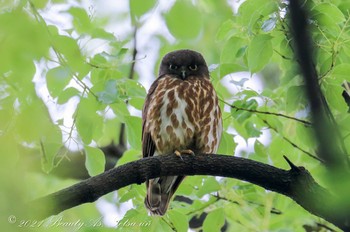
(181, 113)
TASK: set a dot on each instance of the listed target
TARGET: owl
(181, 115)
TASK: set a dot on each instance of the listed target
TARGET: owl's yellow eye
(193, 67)
(172, 67)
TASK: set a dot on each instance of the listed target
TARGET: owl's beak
(183, 72)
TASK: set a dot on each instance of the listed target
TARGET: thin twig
(169, 223)
(292, 143)
(325, 226)
(134, 53)
(273, 209)
(201, 209)
(283, 56)
(122, 141)
(268, 113)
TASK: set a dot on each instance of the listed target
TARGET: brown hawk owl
(181, 114)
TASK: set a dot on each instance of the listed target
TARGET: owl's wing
(148, 146)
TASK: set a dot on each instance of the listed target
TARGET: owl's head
(184, 63)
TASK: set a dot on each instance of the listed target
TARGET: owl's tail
(159, 192)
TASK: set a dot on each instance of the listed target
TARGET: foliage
(47, 68)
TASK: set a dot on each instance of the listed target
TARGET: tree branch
(267, 113)
(333, 153)
(296, 183)
(291, 142)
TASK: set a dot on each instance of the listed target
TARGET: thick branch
(296, 183)
(333, 153)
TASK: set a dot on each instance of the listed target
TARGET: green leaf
(273, 121)
(341, 72)
(9, 149)
(251, 129)
(210, 185)
(259, 148)
(57, 79)
(131, 88)
(344, 6)
(39, 4)
(51, 143)
(131, 194)
(231, 68)
(261, 153)
(269, 24)
(280, 147)
(23, 40)
(214, 220)
(232, 50)
(110, 93)
(95, 160)
(121, 110)
(110, 132)
(242, 113)
(344, 123)
(130, 155)
(328, 18)
(251, 11)
(225, 30)
(184, 20)
(81, 20)
(102, 34)
(139, 8)
(67, 94)
(333, 94)
(32, 122)
(88, 122)
(241, 130)
(227, 144)
(133, 131)
(326, 62)
(305, 136)
(327, 13)
(137, 102)
(179, 220)
(295, 98)
(70, 51)
(289, 75)
(99, 60)
(259, 52)
(248, 93)
(120, 89)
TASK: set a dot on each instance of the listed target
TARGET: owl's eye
(172, 67)
(193, 67)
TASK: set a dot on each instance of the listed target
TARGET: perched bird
(181, 115)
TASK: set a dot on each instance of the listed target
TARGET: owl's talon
(177, 153)
(187, 152)
(183, 152)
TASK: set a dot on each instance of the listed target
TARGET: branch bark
(296, 183)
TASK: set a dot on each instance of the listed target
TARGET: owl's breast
(176, 111)
(184, 115)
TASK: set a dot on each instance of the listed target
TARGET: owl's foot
(183, 152)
